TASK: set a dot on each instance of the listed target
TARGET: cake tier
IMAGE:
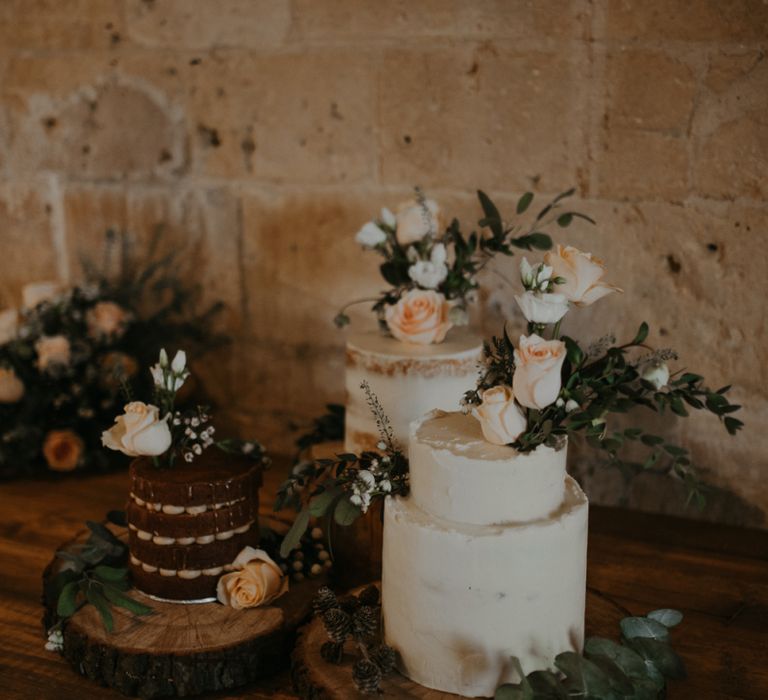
(408, 380)
(188, 523)
(458, 475)
(460, 600)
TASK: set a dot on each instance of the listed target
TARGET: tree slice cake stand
(183, 649)
(317, 679)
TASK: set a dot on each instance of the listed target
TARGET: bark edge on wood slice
(316, 679)
(182, 650)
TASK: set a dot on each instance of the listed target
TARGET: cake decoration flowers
(255, 581)
(422, 255)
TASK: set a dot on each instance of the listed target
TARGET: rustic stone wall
(262, 133)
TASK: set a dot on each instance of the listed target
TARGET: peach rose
(500, 417)
(420, 316)
(139, 431)
(9, 324)
(62, 450)
(415, 220)
(106, 320)
(536, 382)
(582, 273)
(256, 581)
(52, 350)
(11, 387)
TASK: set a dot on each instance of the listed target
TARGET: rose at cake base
(408, 379)
(188, 523)
(484, 560)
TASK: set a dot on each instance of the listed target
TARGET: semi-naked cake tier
(188, 523)
(409, 380)
(483, 562)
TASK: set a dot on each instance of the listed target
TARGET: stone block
(685, 20)
(648, 90)
(492, 117)
(50, 24)
(196, 24)
(30, 251)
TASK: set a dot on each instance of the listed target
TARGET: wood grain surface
(718, 577)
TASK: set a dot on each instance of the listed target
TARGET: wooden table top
(717, 576)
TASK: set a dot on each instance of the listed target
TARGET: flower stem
(556, 330)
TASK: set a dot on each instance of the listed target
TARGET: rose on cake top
(432, 269)
(546, 387)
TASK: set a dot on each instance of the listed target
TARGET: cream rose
(501, 419)
(52, 350)
(9, 323)
(36, 293)
(420, 317)
(582, 273)
(257, 580)
(11, 387)
(536, 382)
(417, 219)
(139, 431)
(106, 319)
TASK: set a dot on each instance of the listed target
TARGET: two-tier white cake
(484, 560)
(408, 379)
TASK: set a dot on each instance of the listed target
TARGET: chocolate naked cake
(188, 523)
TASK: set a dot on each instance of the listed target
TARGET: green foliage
(94, 572)
(636, 668)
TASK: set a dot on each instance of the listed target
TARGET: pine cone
(325, 600)
(337, 624)
(367, 676)
(332, 652)
(348, 603)
(365, 622)
(369, 596)
(384, 657)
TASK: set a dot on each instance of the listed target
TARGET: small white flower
(163, 362)
(55, 641)
(388, 218)
(370, 235)
(657, 374)
(247, 447)
(381, 445)
(559, 403)
(188, 456)
(412, 254)
(179, 362)
(386, 486)
(526, 273)
(458, 316)
(542, 308)
(438, 255)
(178, 382)
(367, 478)
(197, 449)
(355, 500)
(194, 422)
(158, 376)
(571, 406)
(427, 274)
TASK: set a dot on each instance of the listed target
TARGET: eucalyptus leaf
(320, 503)
(627, 660)
(510, 691)
(110, 573)
(661, 655)
(293, 536)
(97, 599)
(67, 603)
(584, 676)
(666, 616)
(546, 686)
(643, 627)
(346, 513)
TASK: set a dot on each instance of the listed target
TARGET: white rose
(388, 218)
(542, 308)
(657, 374)
(416, 220)
(11, 387)
(427, 274)
(36, 293)
(501, 419)
(420, 317)
(139, 431)
(370, 235)
(256, 580)
(582, 274)
(9, 323)
(536, 382)
(52, 350)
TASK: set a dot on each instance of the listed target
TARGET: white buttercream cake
(484, 560)
(408, 379)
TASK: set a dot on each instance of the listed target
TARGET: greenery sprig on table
(344, 488)
(636, 668)
(93, 572)
(421, 254)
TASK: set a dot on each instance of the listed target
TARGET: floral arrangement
(356, 618)
(432, 269)
(344, 488)
(69, 355)
(545, 389)
(637, 667)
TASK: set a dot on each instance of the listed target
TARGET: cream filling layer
(188, 574)
(202, 539)
(180, 510)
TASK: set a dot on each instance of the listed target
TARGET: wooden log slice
(317, 679)
(182, 650)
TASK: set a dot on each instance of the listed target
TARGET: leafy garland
(462, 255)
(603, 380)
(636, 668)
(344, 488)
